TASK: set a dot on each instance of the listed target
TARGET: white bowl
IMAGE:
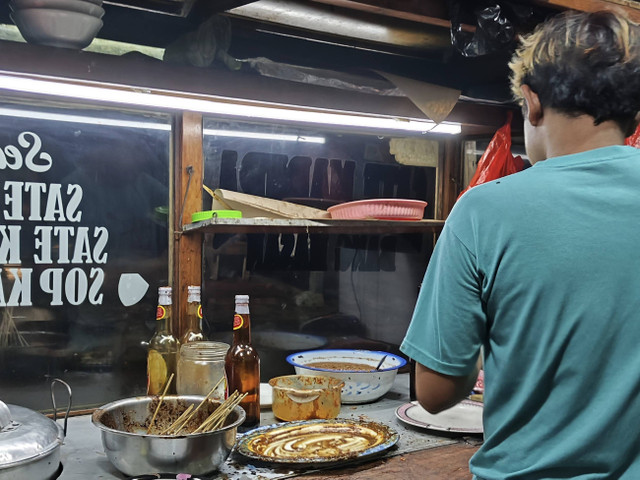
(360, 386)
(57, 28)
(82, 6)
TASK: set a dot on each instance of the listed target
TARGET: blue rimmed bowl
(356, 368)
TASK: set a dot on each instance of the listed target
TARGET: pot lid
(168, 476)
(27, 436)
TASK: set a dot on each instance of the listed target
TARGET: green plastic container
(207, 214)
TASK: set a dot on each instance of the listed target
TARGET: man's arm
(437, 392)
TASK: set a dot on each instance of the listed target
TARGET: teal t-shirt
(542, 268)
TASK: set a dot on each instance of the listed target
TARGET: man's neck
(566, 135)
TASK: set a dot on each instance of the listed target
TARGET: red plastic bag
(634, 139)
(497, 160)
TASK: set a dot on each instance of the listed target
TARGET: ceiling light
(264, 136)
(177, 101)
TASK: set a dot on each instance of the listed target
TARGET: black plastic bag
(496, 25)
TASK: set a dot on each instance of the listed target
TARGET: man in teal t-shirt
(542, 269)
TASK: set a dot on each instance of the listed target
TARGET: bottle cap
(193, 294)
(164, 296)
(242, 298)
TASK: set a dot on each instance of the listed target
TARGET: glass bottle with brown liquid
(162, 356)
(242, 363)
(193, 333)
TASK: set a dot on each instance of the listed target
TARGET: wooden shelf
(327, 226)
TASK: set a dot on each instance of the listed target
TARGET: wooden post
(186, 256)
(450, 178)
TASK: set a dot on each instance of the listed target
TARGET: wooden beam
(631, 8)
(193, 82)
(427, 12)
(186, 262)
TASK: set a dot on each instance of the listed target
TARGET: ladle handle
(53, 402)
(381, 362)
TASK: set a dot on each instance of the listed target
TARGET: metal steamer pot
(30, 442)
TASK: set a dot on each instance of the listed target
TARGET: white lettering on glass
(53, 244)
(51, 282)
(55, 205)
(11, 156)
(13, 200)
(10, 244)
(42, 243)
(20, 289)
(102, 234)
(36, 190)
(95, 297)
(73, 214)
(76, 286)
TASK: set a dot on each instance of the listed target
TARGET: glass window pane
(83, 248)
(312, 291)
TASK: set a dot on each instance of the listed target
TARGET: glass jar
(200, 368)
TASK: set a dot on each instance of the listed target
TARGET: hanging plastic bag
(497, 160)
(496, 25)
(634, 139)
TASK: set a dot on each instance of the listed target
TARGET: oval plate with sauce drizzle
(316, 441)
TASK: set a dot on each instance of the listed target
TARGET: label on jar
(200, 311)
(238, 321)
(161, 312)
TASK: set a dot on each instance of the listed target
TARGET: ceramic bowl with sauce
(305, 397)
(356, 368)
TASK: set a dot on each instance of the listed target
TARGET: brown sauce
(342, 366)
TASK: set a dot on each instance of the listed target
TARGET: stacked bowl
(58, 23)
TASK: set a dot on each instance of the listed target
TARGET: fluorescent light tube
(175, 101)
(264, 136)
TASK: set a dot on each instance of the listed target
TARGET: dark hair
(583, 63)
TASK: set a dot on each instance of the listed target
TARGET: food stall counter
(83, 455)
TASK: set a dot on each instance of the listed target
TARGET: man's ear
(636, 122)
(533, 107)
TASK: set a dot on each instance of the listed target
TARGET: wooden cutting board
(253, 206)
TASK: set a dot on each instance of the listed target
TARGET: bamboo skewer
(220, 422)
(177, 422)
(153, 419)
(214, 421)
(216, 413)
(199, 405)
(217, 418)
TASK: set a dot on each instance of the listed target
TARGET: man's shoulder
(497, 191)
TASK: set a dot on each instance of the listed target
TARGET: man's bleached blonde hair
(582, 63)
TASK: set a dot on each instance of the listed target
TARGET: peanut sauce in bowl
(316, 441)
(368, 374)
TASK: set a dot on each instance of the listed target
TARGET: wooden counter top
(450, 462)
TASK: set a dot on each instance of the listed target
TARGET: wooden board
(253, 206)
(447, 463)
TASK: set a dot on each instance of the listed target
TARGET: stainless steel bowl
(132, 451)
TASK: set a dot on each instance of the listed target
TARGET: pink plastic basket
(380, 209)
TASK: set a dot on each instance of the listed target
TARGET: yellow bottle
(193, 332)
(162, 356)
